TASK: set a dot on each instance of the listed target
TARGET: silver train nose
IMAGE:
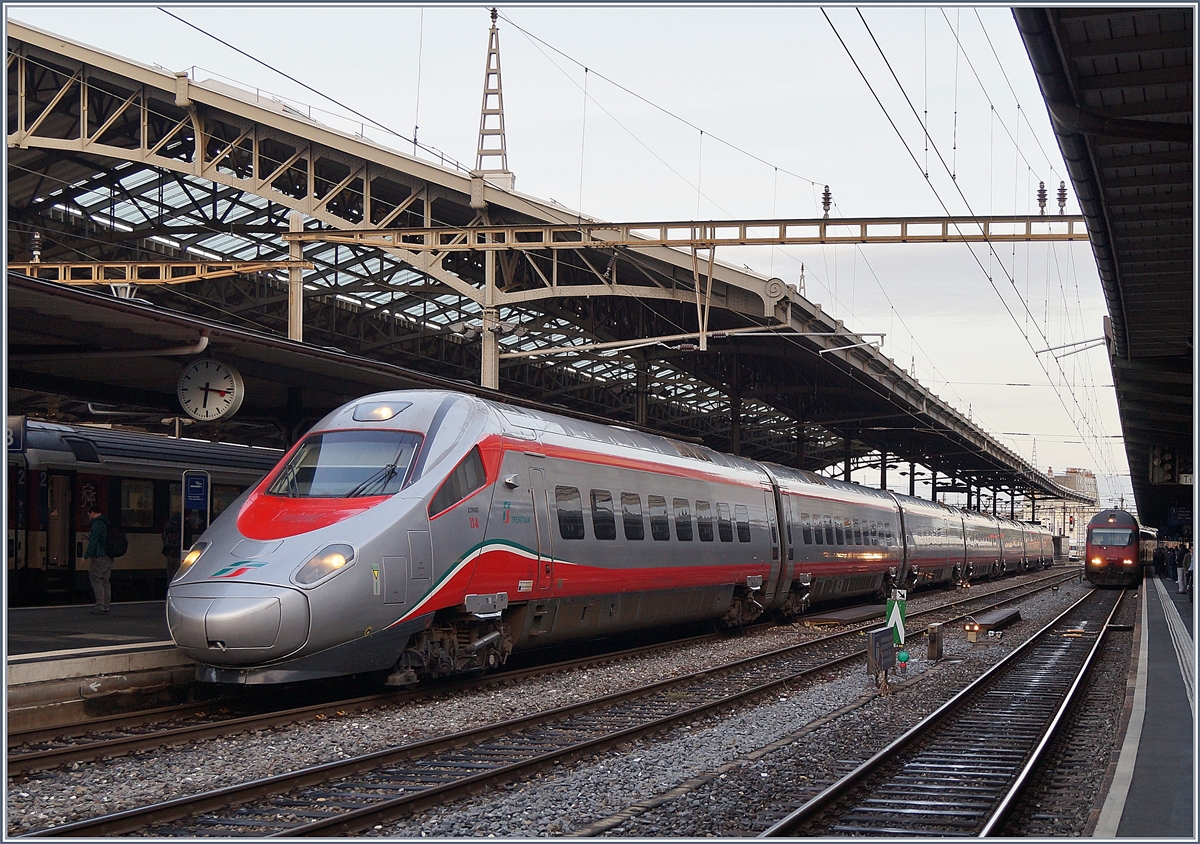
(237, 623)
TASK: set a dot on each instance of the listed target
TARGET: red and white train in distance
(1116, 552)
(426, 533)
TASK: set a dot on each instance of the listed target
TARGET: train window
(683, 519)
(891, 537)
(724, 523)
(467, 477)
(570, 512)
(631, 515)
(838, 533)
(1111, 536)
(829, 538)
(344, 464)
(857, 532)
(604, 520)
(806, 529)
(137, 504)
(704, 527)
(741, 515)
(660, 525)
(874, 532)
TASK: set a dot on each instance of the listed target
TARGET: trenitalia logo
(238, 569)
(512, 518)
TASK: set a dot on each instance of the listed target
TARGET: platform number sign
(14, 435)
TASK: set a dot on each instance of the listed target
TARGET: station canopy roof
(1119, 87)
(165, 167)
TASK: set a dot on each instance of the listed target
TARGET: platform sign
(896, 609)
(196, 499)
(14, 435)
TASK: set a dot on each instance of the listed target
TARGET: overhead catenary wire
(937, 195)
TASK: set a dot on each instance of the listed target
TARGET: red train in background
(1115, 556)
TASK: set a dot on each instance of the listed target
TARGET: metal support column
(883, 458)
(642, 388)
(849, 461)
(735, 423)
(489, 375)
(912, 479)
(295, 281)
(933, 485)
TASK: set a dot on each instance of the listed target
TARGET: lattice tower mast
(492, 150)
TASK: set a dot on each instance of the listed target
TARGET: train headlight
(1096, 561)
(327, 561)
(190, 558)
(1127, 562)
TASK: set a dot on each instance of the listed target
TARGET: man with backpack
(99, 560)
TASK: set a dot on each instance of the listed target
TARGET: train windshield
(1111, 536)
(346, 464)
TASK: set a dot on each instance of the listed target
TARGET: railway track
(352, 795)
(961, 770)
(42, 749)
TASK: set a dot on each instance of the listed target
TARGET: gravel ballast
(720, 767)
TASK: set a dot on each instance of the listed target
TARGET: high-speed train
(427, 533)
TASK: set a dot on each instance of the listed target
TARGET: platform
(1153, 789)
(63, 662)
(846, 615)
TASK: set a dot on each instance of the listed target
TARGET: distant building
(1067, 518)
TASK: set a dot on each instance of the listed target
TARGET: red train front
(1112, 549)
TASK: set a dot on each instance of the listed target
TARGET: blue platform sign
(196, 500)
(14, 435)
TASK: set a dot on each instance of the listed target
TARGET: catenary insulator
(827, 200)
(1042, 197)
(1062, 198)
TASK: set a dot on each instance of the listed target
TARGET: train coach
(57, 472)
(423, 533)
(1115, 555)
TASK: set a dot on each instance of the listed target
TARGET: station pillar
(295, 281)
(489, 374)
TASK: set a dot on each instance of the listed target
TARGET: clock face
(209, 389)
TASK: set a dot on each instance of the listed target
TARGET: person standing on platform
(99, 563)
(1185, 565)
(1172, 559)
(1160, 561)
(174, 542)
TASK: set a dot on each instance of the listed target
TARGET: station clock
(209, 390)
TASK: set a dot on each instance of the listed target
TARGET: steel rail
(36, 760)
(144, 817)
(792, 824)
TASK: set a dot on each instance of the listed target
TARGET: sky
(678, 112)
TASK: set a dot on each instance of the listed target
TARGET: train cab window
(604, 519)
(570, 512)
(631, 515)
(741, 515)
(838, 533)
(704, 526)
(137, 503)
(467, 477)
(1111, 536)
(345, 464)
(724, 523)
(660, 525)
(806, 532)
(683, 519)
